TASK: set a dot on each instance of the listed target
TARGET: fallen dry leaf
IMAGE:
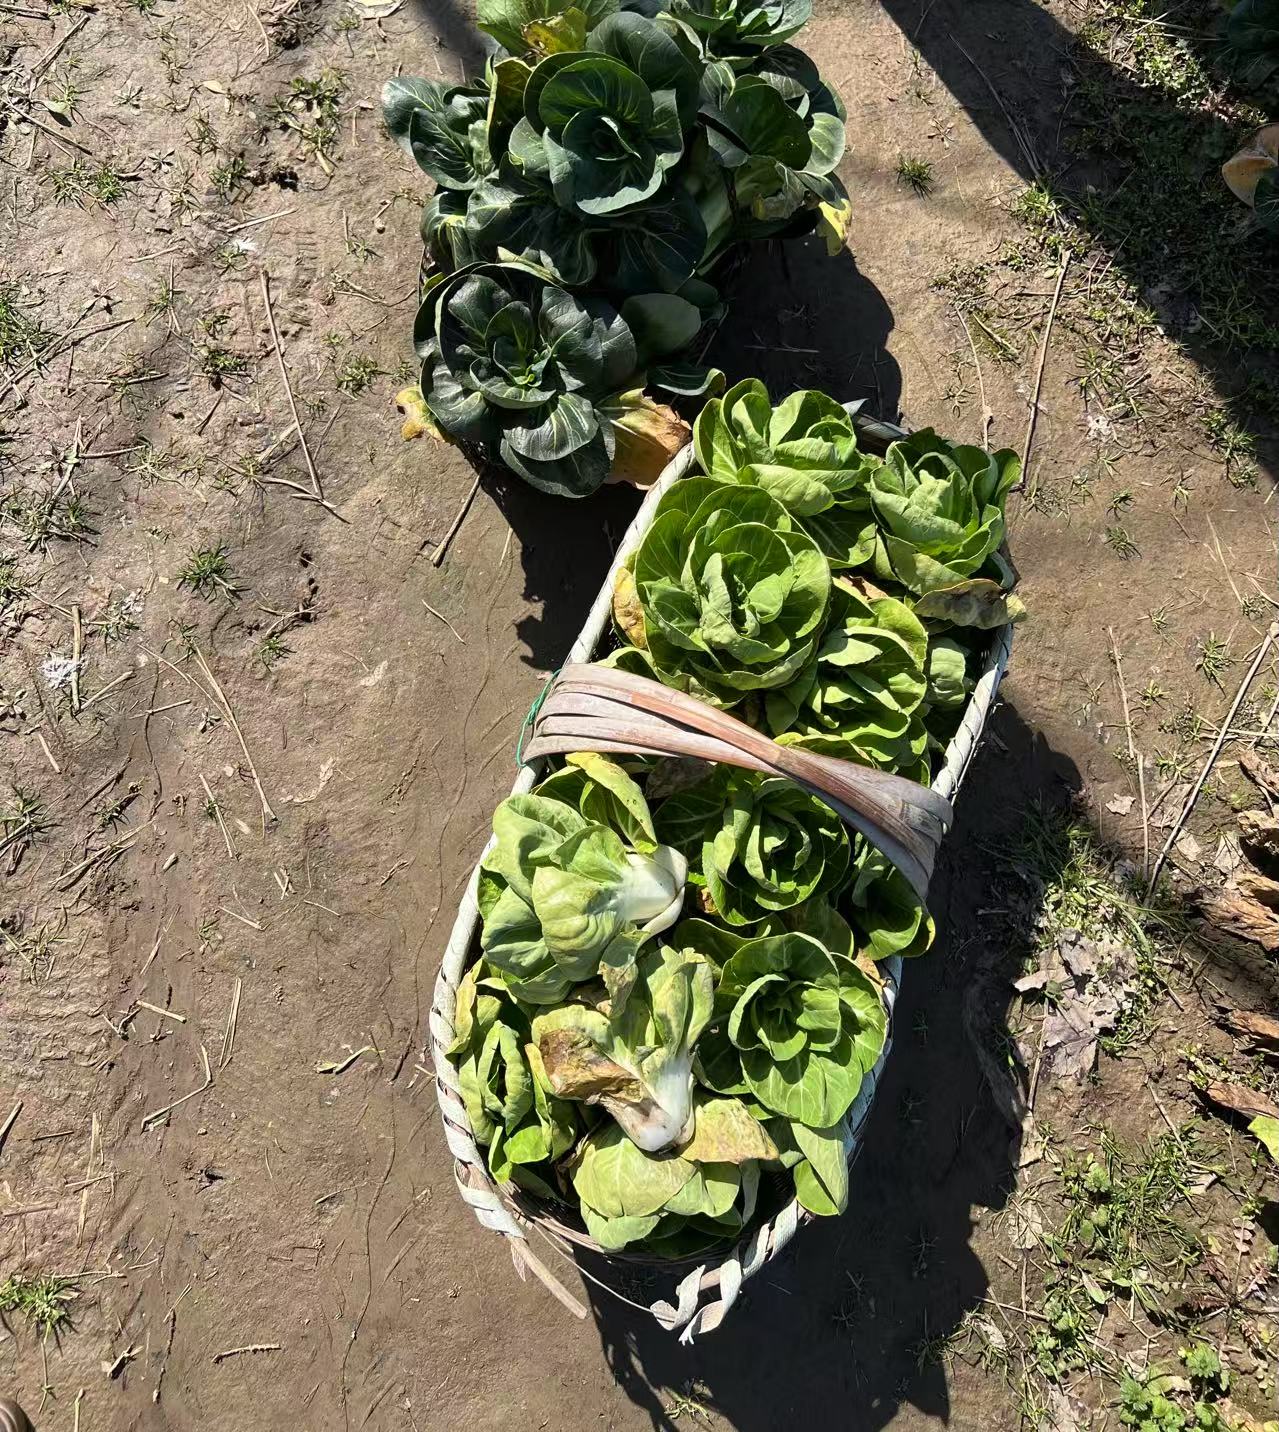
(1238, 1099)
(1257, 770)
(1037, 980)
(1238, 914)
(1064, 1413)
(1095, 980)
(1261, 830)
(1228, 856)
(648, 436)
(1259, 887)
(1260, 1028)
(1120, 805)
(1243, 170)
(1171, 802)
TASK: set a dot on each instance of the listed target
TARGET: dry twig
(157, 1114)
(217, 815)
(1267, 642)
(437, 557)
(220, 696)
(317, 492)
(1137, 759)
(1039, 375)
(248, 1347)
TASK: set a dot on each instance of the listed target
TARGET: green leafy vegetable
(940, 510)
(797, 1029)
(738, 28)
(886, 913)
(622, 153)
(651, 1065)
(512, 360)
(804, 453)
(444, 127)
(859, 697)
(724, 595)
(565, 897)
(510, 1112)
(636, 1061)
(759, 846)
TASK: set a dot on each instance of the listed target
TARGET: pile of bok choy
(589, 186)
(677, 991)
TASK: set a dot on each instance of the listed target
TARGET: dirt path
(212, 1018)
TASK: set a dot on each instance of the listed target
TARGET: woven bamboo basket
(703, 1289)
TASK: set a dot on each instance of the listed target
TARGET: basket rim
(518, 1211)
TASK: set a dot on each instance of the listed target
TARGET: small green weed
(230, 178)
(1120, 542)
(916, 174)
(40, 518)
(208, 572)
(84, 183)
(44, 1301)
(12, 587)
(272, 649)
(312, 109)
(21, 337)
(356, 373)
(1212, 657)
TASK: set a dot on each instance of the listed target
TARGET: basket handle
(599, 708)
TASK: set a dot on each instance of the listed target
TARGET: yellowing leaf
(577, 1068)
(832, 224)
(417, 416)
(977, 602)
(725, 1132)
(1243, 171)
(565, 31)
(648, 435)
(627, 612)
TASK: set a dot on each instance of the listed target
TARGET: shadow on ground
(852, 1315)
(802, 319)
(1134, 165)
(845, 1317)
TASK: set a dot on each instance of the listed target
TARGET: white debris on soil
(58, 670)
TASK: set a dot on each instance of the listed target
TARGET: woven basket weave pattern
(703, 1297)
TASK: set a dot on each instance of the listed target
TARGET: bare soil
(259, 802)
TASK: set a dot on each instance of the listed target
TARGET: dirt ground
(253, 734)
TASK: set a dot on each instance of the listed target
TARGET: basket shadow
(847, 1315)
(1025, 82)
(454, 27)
(804, 319)
(565, 547)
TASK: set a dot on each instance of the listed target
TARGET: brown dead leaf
(1260, 1028)
(418, 421)
(1238, 914)
(1242, 171)
(1095, 981)
(1238, 1099)
(1261, 830)
(648, 436)
(578, 1069)
(627, 612)
(1259, 887)
(975, 602)
(1258, 771)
